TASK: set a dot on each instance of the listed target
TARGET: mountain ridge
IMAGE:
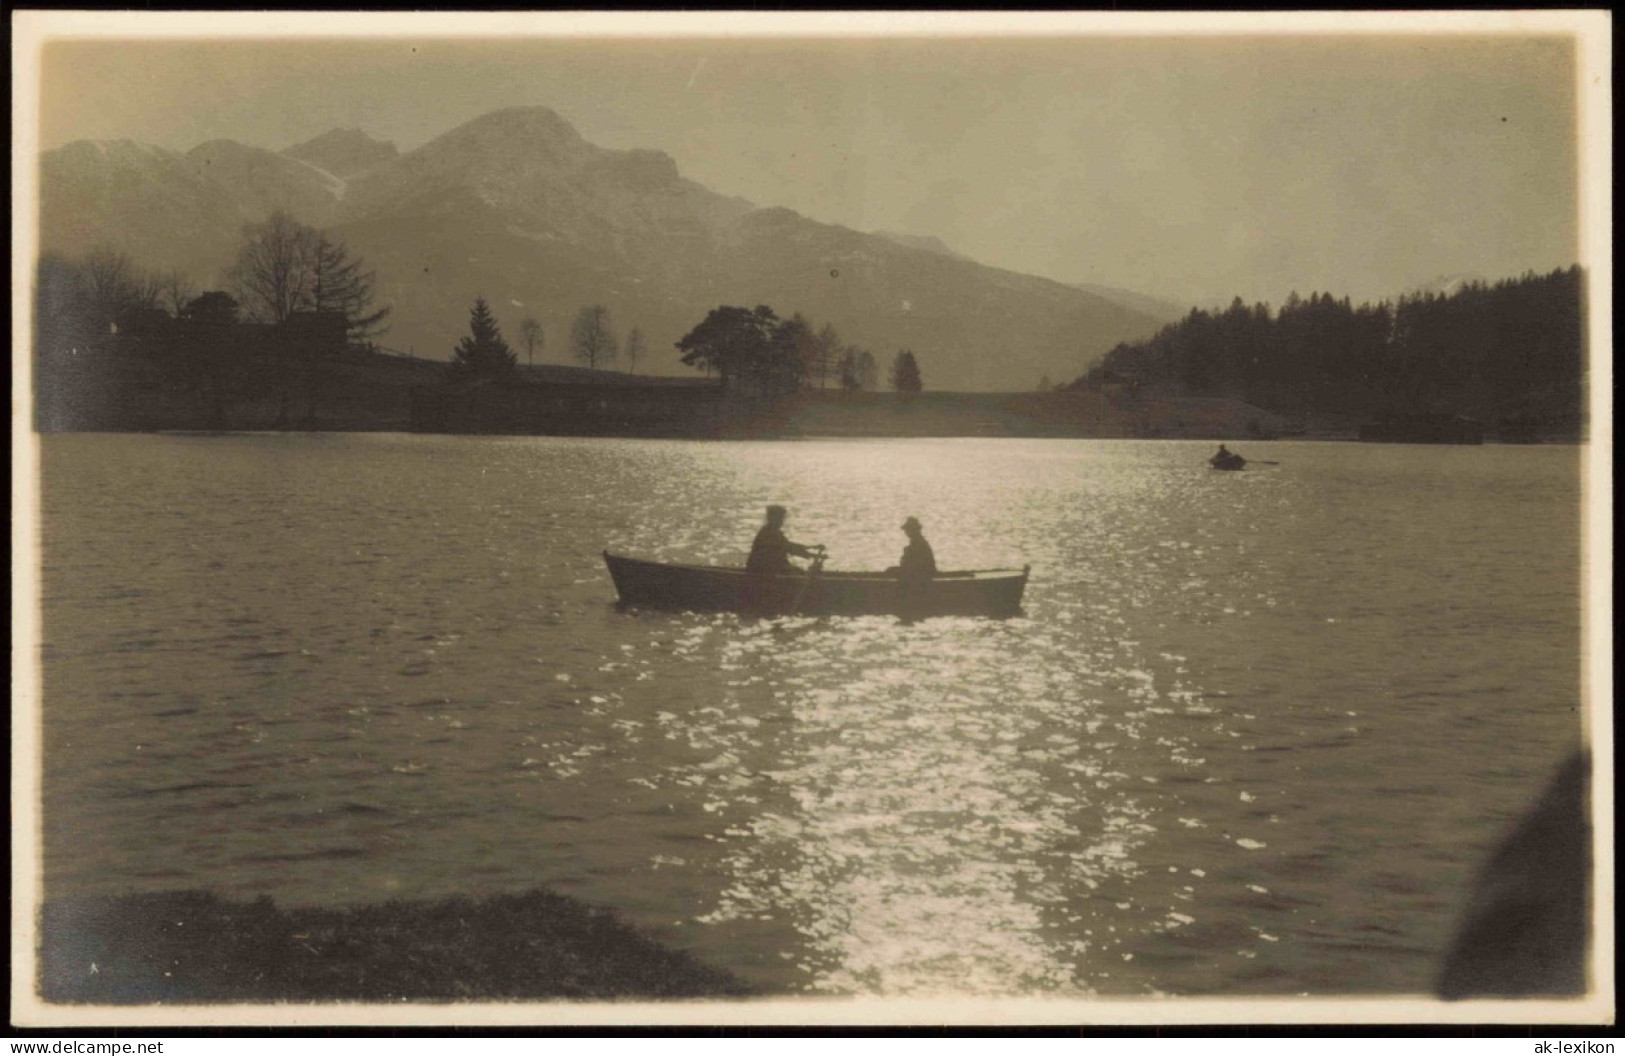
(344, 152)
(517, 206)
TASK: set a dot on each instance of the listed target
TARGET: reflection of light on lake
(930, 841)
(1237, 744)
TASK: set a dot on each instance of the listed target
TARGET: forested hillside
(1510, 350)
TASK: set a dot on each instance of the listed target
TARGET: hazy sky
(1189, 168)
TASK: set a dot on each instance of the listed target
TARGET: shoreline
(193, 947)
(134, 388)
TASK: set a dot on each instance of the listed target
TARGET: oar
(813, 569)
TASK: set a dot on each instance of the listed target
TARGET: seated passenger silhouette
(918, 562)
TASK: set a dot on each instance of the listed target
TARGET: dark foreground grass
(192, 947)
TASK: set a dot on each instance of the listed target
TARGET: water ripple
(1250, 735)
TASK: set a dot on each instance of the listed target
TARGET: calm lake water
(1254, 734)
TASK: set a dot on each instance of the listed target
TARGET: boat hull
(711, 588)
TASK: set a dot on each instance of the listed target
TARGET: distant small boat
(716, 588)
(1227, 462)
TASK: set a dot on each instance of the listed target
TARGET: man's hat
(775, 511)
(912, 522)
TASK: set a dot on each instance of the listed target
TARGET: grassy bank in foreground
(192, 947)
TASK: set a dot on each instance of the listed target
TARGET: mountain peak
(518, 204)
(522, 122)
(518, 143)
(344, 152)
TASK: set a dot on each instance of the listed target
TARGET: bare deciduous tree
(868, 371)
(635, 349)
(274, 275)
(591, 338)
(531, 331)
(176, 291)
(113, 286)
(285, 267)
(826, 353)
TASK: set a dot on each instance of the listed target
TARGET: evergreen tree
(338, 284)
(483, 352)
(905, 373)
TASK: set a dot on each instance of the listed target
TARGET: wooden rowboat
(715, 588)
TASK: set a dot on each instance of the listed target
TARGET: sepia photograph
(821, 518)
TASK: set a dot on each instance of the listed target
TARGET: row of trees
(751, 349)
(80, 302)
(1482, 350)
(593, 341)
(103, 301)
(285, 273)
(282, 268)
(755, 350)
(285, 267)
